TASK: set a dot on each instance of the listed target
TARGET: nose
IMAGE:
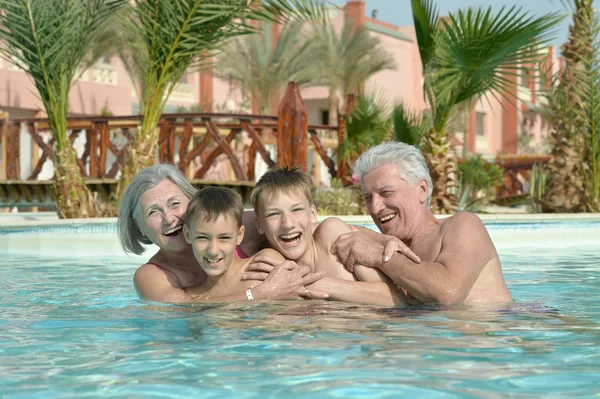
(213, 247)
(169, 216)
(376, 205)
(287, 220)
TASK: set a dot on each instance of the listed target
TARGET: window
(324, 117)
(480, 124)
(105, 59)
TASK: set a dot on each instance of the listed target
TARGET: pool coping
(32, 220)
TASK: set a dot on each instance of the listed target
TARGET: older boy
(285, 213)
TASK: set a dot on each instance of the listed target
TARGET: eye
(227, 238)
(201, 238)
(152, 212)
(272, 214)
(386, 194)
(297, 209)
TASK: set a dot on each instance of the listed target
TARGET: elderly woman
(152, 211)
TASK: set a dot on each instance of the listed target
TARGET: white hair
(411, 164)
(130, 236)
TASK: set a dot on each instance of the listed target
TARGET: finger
(340, 242)
(350, 262)
(311, 278)
(259, 267)
(255, 276)
(290, 265)
(388, 251)
(410, 254)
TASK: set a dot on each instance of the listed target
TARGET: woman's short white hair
(130, 236)
(412, 167)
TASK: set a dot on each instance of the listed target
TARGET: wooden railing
(193, 142)
(517, 170)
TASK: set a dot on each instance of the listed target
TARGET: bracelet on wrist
(249, 294)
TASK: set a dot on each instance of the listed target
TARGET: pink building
(106, 88)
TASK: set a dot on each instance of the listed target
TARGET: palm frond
(262, 71)
(49, 40)
(368, 125)
(409, 125)
(476, 46)
(425, 18)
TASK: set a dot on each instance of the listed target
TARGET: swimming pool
(71, 326)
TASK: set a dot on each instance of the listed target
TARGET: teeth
(388, 217)
(290, 236)
(173, 229)
(212, 260)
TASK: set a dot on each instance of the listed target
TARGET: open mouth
(291, 239)
(174, 231)
(387, 218)
(213, 262)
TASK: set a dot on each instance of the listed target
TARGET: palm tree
(368, 125)
(343, 61)
(262, 70)
(574, 115)
(50, 40)
(466, 56)
(181, 34)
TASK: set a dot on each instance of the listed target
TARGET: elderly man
(459, 263)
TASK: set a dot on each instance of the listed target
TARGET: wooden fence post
(342, 168)
(292, 129)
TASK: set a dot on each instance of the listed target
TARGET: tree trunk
(442, 165)
(138, 155)
(73, 198)
(333, 107)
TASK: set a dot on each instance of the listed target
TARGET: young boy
(214, 229)
(285, 213)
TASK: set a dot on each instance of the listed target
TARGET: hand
(394, 244)
(283, 280)
(357, 248)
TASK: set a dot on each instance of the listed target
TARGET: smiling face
(160, 216)
(214, 242)
(394, 205)
(286, 219)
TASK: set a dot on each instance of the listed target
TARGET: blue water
(76, 329)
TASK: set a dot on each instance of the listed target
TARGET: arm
(391, 244)
(370, 293)
(158, 285)
(465, 249)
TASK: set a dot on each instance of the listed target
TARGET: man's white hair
(409, 161)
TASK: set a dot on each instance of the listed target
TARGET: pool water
(74, 328)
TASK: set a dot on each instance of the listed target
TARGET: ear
(241, 235)
(186, 234)
(257, 224)
(313, 214)
(423, 191)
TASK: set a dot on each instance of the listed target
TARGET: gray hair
(130, 236)
(411, 164)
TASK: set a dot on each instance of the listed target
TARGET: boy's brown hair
(282, 179)
(212, 202)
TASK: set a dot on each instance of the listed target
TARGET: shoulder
(332, 225)
(151, 272)
(464, 221)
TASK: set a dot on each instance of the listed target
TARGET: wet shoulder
(463, 221)
(332, 227)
